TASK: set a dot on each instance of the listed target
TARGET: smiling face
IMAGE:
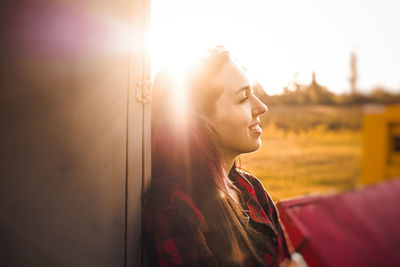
(236, 112)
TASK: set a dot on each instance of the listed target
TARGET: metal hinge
(143, 91)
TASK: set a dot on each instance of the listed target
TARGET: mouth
(255, 128)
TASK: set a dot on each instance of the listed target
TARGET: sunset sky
(280, 41)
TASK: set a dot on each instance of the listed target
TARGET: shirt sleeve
(178, 235)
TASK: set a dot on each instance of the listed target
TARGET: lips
(255, 128)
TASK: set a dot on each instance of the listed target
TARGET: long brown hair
(186, 154)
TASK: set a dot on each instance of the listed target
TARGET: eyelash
(246, 96)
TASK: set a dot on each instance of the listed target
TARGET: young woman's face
(237, 111)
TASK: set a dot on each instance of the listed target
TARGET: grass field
(307, 150)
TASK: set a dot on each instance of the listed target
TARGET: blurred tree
(318, 94)
(382, 96)
(354, 73)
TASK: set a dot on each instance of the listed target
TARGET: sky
(286, 40)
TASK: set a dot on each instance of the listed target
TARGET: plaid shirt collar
(250, 199)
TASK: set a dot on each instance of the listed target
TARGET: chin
(256, 148)
(253, 147)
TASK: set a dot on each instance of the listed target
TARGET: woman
(200, 209)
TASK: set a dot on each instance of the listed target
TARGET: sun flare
(285, 41)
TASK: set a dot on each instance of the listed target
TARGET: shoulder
(260, 192)
(250, 179)
(184, 206)
(174, 236)
(180, 208)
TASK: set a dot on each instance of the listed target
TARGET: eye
(244, 99)
(244, 96)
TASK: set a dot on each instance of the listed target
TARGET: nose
(259, 107)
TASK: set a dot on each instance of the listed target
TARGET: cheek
(233, 123)
(241, 116)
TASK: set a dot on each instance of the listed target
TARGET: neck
(229, 159)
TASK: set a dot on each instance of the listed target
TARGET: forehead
(231, 78)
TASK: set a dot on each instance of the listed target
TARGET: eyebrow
(246, 87)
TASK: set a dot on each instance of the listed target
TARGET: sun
(172, 50)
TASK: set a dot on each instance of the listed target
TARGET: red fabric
(356, 228)
(177, 230)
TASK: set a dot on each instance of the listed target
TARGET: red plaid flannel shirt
(177, 231)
